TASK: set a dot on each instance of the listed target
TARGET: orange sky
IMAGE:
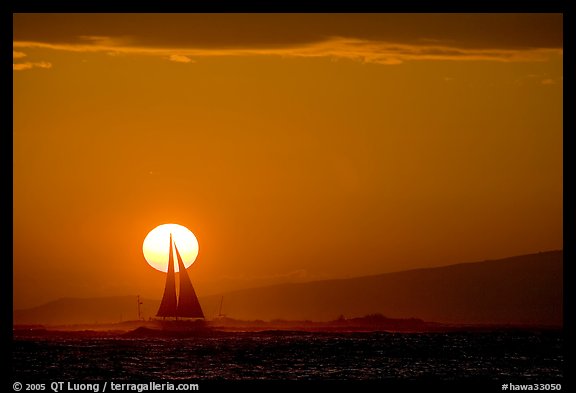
(296, 147)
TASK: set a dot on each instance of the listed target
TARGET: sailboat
(186, 305)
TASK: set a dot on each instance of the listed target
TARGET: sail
(168, 305)
(188, 304)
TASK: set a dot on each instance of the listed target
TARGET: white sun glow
(157, 243)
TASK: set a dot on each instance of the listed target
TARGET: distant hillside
(523, 289)
(82, 311)
(519, 290)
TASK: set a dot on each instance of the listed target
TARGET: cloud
(181, 59)
(27, 65)
(274, 30)
(361, 50)
(548, 81)
(105, 40)
(30, 65)
(387, 53)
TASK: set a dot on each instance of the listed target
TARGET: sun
(157, 243)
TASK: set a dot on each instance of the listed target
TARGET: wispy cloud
(30, 65)
(366, 51)
(181, 59)
(27, 65)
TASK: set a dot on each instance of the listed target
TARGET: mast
(188, 304)
(220, 310)
(169, 303)
(139, 313)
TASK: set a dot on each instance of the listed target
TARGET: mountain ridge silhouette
(525, 289)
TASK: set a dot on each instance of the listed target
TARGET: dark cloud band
(230, 31)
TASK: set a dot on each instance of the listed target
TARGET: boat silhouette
(186, 304)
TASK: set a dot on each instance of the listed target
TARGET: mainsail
(169, 303)
(187, 304)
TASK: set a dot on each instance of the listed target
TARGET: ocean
(280, 355)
